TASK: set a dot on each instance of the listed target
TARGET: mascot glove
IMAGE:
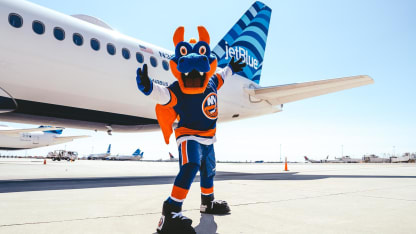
(236, 66)
(143, 81)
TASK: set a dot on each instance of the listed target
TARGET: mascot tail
(247, 40)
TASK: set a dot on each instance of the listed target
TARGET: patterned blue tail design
(137, 152)
(109, 149)
(59, 131)
(247, 39)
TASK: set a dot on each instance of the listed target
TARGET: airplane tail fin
(51, 129)
(306, 158)
(247, 40)
(137, 152)
(109, 149)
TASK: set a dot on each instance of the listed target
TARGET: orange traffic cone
(286, 164)
(44, 162)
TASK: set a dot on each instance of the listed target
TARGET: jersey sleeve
(160, 94)
(221, 75)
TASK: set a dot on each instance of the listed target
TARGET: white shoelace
(178, 215)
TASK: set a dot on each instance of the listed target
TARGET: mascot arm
(225, 72)
(232, 68)
(157, 92)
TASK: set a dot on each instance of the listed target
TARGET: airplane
(54, 69)
(29, 138)
(348, 159)
(100, 156)
(137, 155)
(316, 161)
(172, 158)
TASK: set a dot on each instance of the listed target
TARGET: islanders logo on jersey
(209, 106)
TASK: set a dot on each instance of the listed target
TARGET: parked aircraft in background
(348, 159)
(54, 69)
(100, 156)
(316, 161)
(29, 138)
(172, 158)
(137, 155)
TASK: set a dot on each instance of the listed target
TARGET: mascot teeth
(186, 74)
(201, 73)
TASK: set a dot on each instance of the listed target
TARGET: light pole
(280, 152)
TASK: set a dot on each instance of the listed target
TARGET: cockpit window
(78, 40)
(38, 27)
(59, 33)
(15, 20)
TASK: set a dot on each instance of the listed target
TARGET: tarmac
(126, 197)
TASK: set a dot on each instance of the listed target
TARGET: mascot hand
(236, 66)
(143, 81)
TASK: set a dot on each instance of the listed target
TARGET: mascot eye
(183, 50)
(202, 50)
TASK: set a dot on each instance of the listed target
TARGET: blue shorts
(203, 155)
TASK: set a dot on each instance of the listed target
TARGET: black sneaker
(212, 206)
(173, 222)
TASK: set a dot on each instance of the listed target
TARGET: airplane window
(15, 20)
(38, 27)
(153, 61)
(78, 40)
(59, 33)
(165, 65)
(139, 57)
(111, 49)
(95, 44)
(126, 53)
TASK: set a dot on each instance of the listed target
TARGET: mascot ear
(203, 34)
(178, 36)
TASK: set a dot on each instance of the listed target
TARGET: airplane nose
(7, 102)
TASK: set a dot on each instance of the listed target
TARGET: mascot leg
(172, 220)
(208, 204)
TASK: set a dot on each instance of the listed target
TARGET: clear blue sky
(308, 40)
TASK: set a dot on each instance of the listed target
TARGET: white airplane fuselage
(57, 82)
(28, 140)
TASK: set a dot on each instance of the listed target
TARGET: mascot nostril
(192, 100)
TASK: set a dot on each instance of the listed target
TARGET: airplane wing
(282, 94)
(18, 131)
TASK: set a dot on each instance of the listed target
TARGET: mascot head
(193, 64)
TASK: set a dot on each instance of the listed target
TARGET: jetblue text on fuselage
(241, 52)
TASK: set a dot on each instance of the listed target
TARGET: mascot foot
(172, 221)
(218, 207)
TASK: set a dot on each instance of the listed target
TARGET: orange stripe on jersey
(184, 152)
(220, 81)
(207, 191)
(166, 115)
(173, 100)
(187, 131)
(179, 193)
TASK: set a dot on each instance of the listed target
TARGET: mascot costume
(192, 101)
